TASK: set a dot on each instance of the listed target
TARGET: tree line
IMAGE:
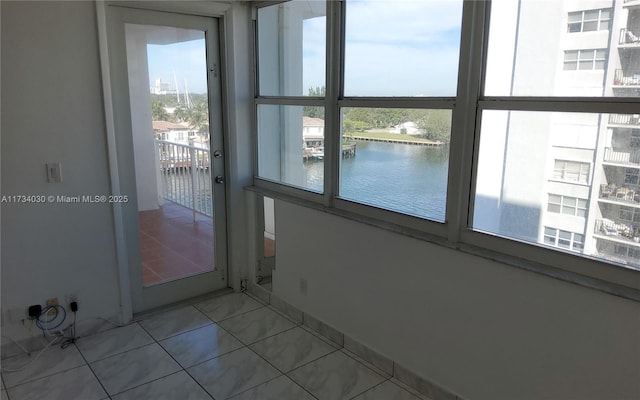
(434, 124)
(196, 116)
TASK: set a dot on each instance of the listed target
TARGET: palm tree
(198, 116)
(158, 112)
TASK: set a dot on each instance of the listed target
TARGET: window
(571, 171)
(589, 20)
(567, 205)
(291, 65)
(398, 57)
(592, 59)
(630, 214)
(401, 154)
(632, 176)
(399, 164)
(627, 252)
(291, 48)
(563, 239)
(406, 120)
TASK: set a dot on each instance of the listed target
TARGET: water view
(406, 178)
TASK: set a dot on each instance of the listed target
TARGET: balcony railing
(626, 77)
(624, 119)
(621, 157)
(621, 231)
(185, 176)
(629, 36)
(623, 194)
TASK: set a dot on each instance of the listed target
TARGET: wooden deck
(426, 142)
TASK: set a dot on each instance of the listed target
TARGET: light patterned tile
(256, 325)
(200, 344)
(176, 386)
(113, 341)
(230, 305)
(281, 388)
(53, 360)
(10, 348)
(387, 391)
(76, 383)
(232, 373)
(170, 323)
(291, 349)
(133, 368)
(335, 376)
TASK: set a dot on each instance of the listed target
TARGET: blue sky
(393, 48)
(188, 61)
(389, 52)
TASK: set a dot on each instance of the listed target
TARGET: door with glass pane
(167, 106)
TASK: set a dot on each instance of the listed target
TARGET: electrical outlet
(52, 302)
(70, 297)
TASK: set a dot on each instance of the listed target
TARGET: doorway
(167, 102)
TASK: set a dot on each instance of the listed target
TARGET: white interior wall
(52, 111)
(478, 328)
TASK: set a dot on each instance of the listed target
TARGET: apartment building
(581, 179)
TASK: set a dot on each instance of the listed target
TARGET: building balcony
(622, 158)
(623, 195)
(627, 78)
(617, 231)
(626, 120)
(629, 37)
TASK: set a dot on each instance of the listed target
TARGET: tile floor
(227, 347)
(172, 245)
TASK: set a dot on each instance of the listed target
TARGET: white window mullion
(463, 147)
(335, 43)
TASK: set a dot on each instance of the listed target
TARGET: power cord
(57, 338)
(44, 324)
(50, 326)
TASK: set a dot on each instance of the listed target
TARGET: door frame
(121, 152)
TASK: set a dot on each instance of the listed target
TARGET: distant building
(312, 132)
(570, 180)
(172, 132)
(160, 87)
(409, 128)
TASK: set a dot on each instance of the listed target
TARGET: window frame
(556, 238)
(467, 108)
(567, 202)
(564, 171)
(592, 57)
(582, 21)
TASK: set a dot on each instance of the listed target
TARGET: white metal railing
(185, 175)
(621, 157)
(624, 119)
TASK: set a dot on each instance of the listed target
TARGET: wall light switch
(54, 173)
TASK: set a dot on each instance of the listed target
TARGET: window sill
(484, 245)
